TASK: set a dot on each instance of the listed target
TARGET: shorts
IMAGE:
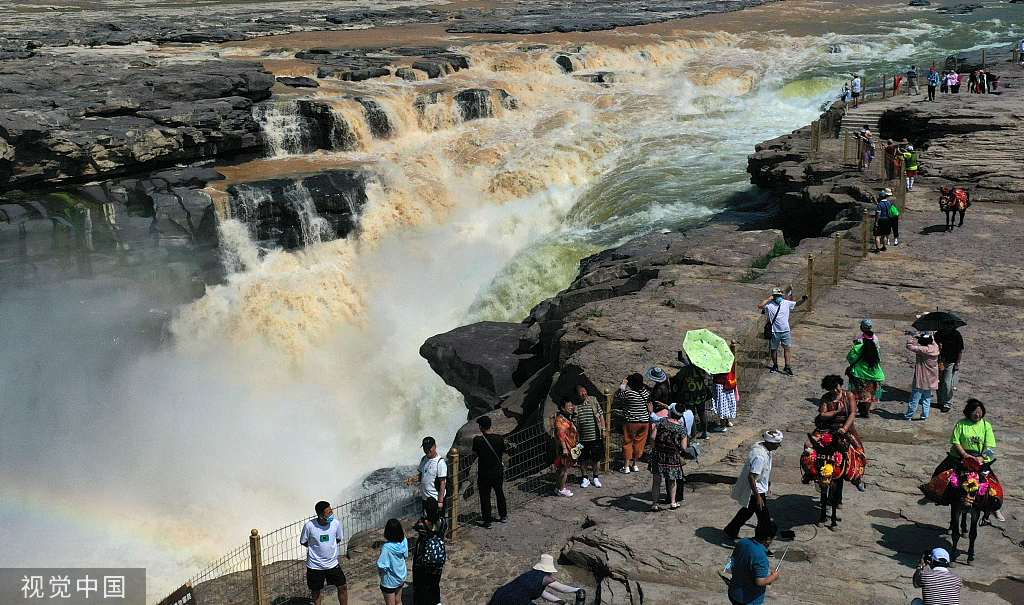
(780, 338)
(431, 510)
(883, 228)
(854, 94)
(316, 579)
(911, 173)
(386, 590)
(593, 451)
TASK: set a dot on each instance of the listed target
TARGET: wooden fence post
(864, 234)
(607, 432)
(983, 58)
(256, 565)
(883, 85)
(846, 148)
(453, 492)
(835, 260)
(810, 283)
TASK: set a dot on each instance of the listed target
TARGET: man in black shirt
(951, 349)
(489, 449)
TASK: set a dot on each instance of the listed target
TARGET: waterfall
(284, 132)
(314, 228)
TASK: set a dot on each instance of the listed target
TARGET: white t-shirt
(781, 321)
(857, 87)
(760, 463)
(322, 544)
(432, 469)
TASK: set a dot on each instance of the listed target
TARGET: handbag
(766, 334)
(576, 451)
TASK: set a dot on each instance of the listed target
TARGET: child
(391, 563)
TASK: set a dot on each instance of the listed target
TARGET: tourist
(846, 95)
(428, 563)
(1020, 51)
(944, 86)
(537, 583)
(490, 471)
(951, 351)
(391, 562)
(912, 80)
(883, 220)
(912, 159)
(321, 536)
(856, 88)
(926, 374)
(591, 426)
(972, 437)
(751, 571)
(954, 82)
(776, 309)
(634, 397)
(569, 448)
(837, 409)
(667, 458)
(866, 144)
(751, 488)
(661, 388)
(933, 83)
(693, 389)
(433, 479)
(893, 159)
(866, 374)
(982, 82)
(867, 330)
(952, 201)
(939, 585)
(726, 397)
(972, 82)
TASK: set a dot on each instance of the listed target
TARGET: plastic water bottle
(728, 566)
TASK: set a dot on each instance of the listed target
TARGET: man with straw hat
(537, 583)
(751, 489)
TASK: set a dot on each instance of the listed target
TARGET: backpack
(894, 211)
(431, 554)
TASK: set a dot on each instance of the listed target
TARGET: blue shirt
(391, 563)
(749, 562)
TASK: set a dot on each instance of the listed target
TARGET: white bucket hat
(546, 563)
(772, 436)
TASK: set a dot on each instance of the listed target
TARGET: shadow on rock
(911, 540)
(894, 394)
(794, 510)
(638, 503)
(715, 536)
(933, 229)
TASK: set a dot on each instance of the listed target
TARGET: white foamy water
(300, 374)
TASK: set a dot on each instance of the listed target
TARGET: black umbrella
(933, 322)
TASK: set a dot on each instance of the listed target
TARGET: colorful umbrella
(708, 351)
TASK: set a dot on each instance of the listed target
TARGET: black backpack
(431, 554)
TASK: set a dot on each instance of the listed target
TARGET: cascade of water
(315, 228)
(283, 127)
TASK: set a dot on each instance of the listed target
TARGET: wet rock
(433, 69)
(919, 3)
(325, 128)
(298, 82)
(376, 117)
(284, 212)
(959, 9)
(406, 73)
(474, 104)
(565, 62)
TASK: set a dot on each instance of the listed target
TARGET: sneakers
(503, 520)
(774, 369)
(564, 492)
(896, 242)
(625, 470)
(597, 482)
(999, 515)
(636, 469)
(585, 483)
(787, 370)
(861, 487)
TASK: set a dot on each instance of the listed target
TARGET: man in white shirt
(433, 478)
(751, 489)
(321, 537)
(776, 309)
(856, 87)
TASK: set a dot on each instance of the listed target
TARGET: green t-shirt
(974, 437)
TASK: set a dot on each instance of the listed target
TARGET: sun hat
(546, 563)
(867, 325)
(940, 554)
(656, 374)
(772, 436)
(885, 192)
(777, 292)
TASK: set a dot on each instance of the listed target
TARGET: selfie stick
(781, 559)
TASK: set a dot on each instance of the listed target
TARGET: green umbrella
(708, 351)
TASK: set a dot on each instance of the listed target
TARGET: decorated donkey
(831, 457)
(969, 489)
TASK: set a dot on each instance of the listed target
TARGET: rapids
(160, 441)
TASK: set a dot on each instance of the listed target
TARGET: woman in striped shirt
(635, 400)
